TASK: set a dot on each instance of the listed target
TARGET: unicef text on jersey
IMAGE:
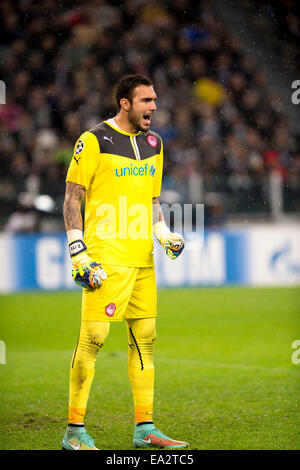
(136, 170)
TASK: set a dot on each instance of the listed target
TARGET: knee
(144, 331)
(91, 340)
(95, 332)
(142, 338)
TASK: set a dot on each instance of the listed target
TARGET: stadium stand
(224, 132)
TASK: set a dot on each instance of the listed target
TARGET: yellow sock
(82, 370)
(141, 336)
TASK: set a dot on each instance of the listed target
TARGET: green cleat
(146, 435)
(76, 438)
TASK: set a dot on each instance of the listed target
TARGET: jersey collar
(122, 132)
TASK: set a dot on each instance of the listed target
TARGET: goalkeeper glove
(85, 271)
(172, 243)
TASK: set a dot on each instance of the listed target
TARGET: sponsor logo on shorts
(110, 309)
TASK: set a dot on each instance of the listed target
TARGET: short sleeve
(85, 160)
(158, 173)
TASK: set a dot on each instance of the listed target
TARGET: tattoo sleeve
(158, 215)
(74, 197)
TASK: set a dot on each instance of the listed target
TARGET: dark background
(224, 99)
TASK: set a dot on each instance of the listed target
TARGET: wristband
(76, 247)
(74, 234)
(161, 230)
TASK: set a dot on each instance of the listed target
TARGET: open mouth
(147, 119)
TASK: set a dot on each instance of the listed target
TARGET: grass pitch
(224, 375)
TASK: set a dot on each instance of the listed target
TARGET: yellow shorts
(126, 293)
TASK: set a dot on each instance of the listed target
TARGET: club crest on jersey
(79, 147)
(151, 139)
(110, 309)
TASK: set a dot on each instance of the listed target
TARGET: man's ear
(125, 104)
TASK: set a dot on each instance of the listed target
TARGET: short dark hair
(127, 84)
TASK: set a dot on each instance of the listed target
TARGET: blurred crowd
(224, 131)
(281, 20)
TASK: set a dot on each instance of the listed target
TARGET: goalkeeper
(116, 170)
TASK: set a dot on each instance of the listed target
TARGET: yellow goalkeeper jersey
(121, 173)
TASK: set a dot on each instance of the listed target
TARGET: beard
(135, 121)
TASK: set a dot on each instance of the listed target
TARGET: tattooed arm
(86, 272)
(74, 196)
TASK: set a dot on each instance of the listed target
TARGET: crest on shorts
(110, 309)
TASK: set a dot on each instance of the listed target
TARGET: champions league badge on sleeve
(79, 147)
